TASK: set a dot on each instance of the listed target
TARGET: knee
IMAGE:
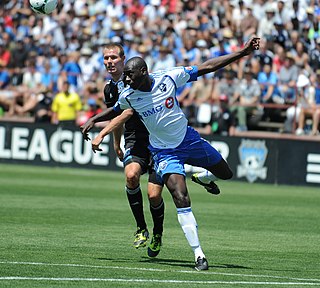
(132, 179)
(181, 199)
(154, 199)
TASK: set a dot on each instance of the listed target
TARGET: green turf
(73, 228)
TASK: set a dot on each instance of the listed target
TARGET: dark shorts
(138, 152)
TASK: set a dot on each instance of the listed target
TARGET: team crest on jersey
(252, 156)
(189, 68)
(162, 87)
(163, 165)
(120, 85)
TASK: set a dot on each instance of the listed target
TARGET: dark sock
(158, 218)
(136, 204)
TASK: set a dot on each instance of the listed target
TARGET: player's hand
(119, 152)
(252, 44)
(95, 144)
(86, 128)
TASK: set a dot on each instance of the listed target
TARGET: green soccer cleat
(155, 245)
(141, 238)
(211, 187)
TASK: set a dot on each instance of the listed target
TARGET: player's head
(113, 59)
(135, 72)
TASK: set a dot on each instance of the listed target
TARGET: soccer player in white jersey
(172, 142)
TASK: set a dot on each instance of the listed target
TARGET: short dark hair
(115, 45)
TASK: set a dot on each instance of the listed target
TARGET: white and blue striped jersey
(159, 109)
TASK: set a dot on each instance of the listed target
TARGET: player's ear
(144, 71)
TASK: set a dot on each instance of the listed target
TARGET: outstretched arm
(114, 124)
(217, 63)
(105, 115)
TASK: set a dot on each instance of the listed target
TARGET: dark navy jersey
(134, 128)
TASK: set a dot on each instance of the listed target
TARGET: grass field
(73, 228)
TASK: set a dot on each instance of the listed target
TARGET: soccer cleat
(155, 245)
(211, 187)
(201, 264)
(141, 238)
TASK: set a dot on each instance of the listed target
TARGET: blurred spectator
(304, 100)
(39, 106)
(66, 106)
(278, 59)
(164, 60)
(288, 76)
(47, 78)
(200, 100)
(86, 63)
(5, 54)
(246, 99)
(310, 108)
(280, 35)
(143, 51)
(264, 55)
(73, 70)
(268, 84)
(249, 24)
(301, 57)
(315, 56)
(284, 13)
(7, 96)
(266, 24)
(31, 80)
(19, 55)
(226, 86)
(91, 109)
(298, 15)
(222, 120)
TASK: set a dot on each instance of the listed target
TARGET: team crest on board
(252, 154)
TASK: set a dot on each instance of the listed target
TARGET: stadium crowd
(43, 58)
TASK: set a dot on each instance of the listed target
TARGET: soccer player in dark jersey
(136, 159)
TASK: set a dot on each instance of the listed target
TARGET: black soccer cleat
(212, 187)
(201, 264)
(155, 245)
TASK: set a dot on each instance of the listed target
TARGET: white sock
(190, 228)
(206, 177)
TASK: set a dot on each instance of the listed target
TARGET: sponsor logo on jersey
(169, 102)
(152, 111)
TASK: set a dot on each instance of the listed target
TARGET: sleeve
(110, 94)
(182, 75)
(122, 103)
(118, 107)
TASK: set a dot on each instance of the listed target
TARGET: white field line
(157, 281)
(156, 270)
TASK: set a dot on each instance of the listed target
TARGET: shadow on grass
(175, 263)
